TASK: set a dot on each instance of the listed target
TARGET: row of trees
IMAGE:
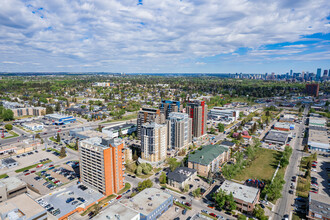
(286, 156)
(143, 168)
(6, 114)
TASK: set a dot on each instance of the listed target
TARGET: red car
(33, 171)
(57, 181)
(212, 214)
(118, 197)
(51, 165)
(27, 174)
(187, 204)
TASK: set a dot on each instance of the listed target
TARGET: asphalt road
(284, 205)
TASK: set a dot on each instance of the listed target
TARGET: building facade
(180, 177)
(11, 187)
(153, 142)
(312, 89)
(102, 164)
(35, 111)
(146, 115)
(197, 111)
(209, 159)
(168, 106)
(179, 130)
(218, 113)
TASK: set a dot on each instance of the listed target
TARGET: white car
(314, 170)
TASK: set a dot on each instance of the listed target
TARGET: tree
(307, 173)
(186, 188)
(197, 193)
(162, 178)
(49, 110)
(259, 213)
(267, 114)
(57, 107)
(135, 156)
(58, 138)
(9, 127)
(76, 145)
(231, 204)
(38, 135)
(220, 198)
(63, 152)
(221, 127)
(209, 176)
(138, 170)
(241, 217)
(173, 163)
(306, 149)
(145, 184)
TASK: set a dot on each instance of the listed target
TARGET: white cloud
(68, 33)
(200, 63)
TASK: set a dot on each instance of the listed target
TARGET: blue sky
(254, 36)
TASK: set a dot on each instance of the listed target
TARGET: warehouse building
(60, 119)
(321, 122)
(151, 203)
(246, 197)
(283, 126)
(9, 162)
(318, 139)
(276, 137)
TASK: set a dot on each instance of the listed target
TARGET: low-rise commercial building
(283, 126)
(33, 126)
(11, 187)
(119, 130)
(9, 162)
(276, 137)
(318, 139)
(60, 119)
(22, 207)
(118, 211)
(180, 177)
(151, 203)
(88, 134)
(318, 207)
(219, 113)
(209, 158)
(246, 197)
(321, 122)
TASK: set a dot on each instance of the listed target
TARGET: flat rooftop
(318, 138)
(319, 204)
(282, 125)
(242, 192)
(57, 116)
(118, 127)
(279, 136)
(58, 198)
(118, 209)
(92, 133)
(24, 203)
(147, 201)
(31, 124)
(12, 183)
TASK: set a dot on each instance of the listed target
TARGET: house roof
(227, 143)
(207, 154)
(180, 174)
(8, 161)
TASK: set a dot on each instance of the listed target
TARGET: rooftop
(12, 183)
(207, 154)
(92, 133)
(282, 125)
(318, 128)
(147, 201)
(180, 174)
(8, 161)
(227, 143)
(241, 192)
(317, 121)
(58, 198)
(121, 126)
(24, 203)
(152, 125)
(118, 209)
(319, 204)
(58, 116)
(318, 138)
(280, 136)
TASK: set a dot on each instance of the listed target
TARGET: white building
(123, 129)
(227, 114)
(179, 130)
(33, 126)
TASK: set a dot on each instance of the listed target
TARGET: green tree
(57, 107)
(145, 184)
(37, 135)
(221, 127)
(196, 193)
(62, 152)
(49, 110)
(220, 198)
(162, 178)
(138, 170)
(231, 204)
(9, 127)
(8, 115)
(172, 162)
(259, 213)
(186, 188)
(58, 138)
(306, 149)
(76, 145)
(241, 217)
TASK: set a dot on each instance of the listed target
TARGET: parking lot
(66, 200)
(175, 212)
(322, 175)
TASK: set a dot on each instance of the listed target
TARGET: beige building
(102, 164)
(209, 158)
(35, 111)
(146, 115)
(11, 187)
(153, 142)
(22, 207)
(178, 130)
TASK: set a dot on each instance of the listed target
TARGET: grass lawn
(101, 203)
(71, 146)
(209, 216)
(304, 162)
(303, 187)
(182, 205)
(13, 135)
(262, 168)
(124, 118)
(127, 187)
(32, 166)
(53, 139)
(3, 176)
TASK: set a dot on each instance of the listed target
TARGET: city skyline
(174, 36)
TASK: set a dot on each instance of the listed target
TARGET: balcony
(124, 168)
(123, 162)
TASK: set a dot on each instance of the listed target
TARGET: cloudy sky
(255, 36)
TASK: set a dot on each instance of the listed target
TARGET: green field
(3, 176)
(262, 168)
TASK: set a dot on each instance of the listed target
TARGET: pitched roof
(207, 154)
(180, 174)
